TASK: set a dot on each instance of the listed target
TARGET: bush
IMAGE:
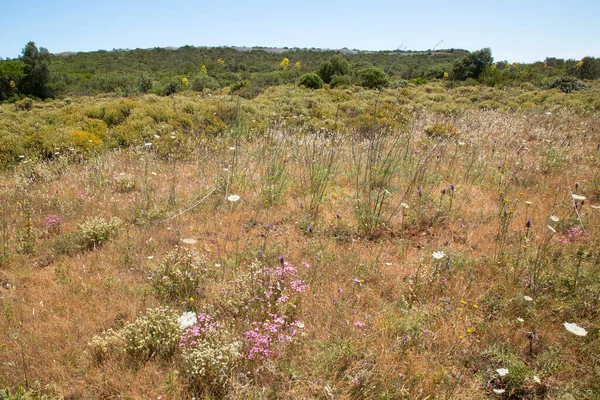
(170, 89)
(155, 334)
(337, 65)
(95, 231)
(340, 81)
(566, 84)
(144, 83)
(124, 183)
(311, 81)
(24, 105)
(441, 130)
(472, 65)
(373, 78)
(208, 356)
(180, 276)
(205, 82)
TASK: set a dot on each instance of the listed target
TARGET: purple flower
(452, 187)
(528, 224)
(281, 259)
(309, 229)
(419, 191)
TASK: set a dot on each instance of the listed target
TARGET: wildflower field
(426, 242)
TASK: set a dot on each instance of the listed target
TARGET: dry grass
(383, 318)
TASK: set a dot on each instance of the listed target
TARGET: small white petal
(233, 197)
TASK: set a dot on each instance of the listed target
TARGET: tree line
(248, 71)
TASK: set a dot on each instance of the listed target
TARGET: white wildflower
(521, 320)
(404, 205)
(577, 197)
(187, 319)
(554, 218)
(189, 241)
(233, 197)
(438, 255)
(498, 391)
(536, 379)
(575, 329)
(502, 371)
(527, 298)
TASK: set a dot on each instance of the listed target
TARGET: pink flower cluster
(269, 337)
(204, 325)
(276, 293)
(573, 235)
(52, 221)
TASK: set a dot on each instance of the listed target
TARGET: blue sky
(517, 31)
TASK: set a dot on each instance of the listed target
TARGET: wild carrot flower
(187, 319)
(575, 329)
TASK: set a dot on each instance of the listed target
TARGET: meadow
(435, 241)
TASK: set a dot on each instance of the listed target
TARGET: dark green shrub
(373, 78)
(418, 81)
(205, 82)
(311, 81)
(566, 84)
(239, 86)
(340, 81)
(144, 83)
(170, 89)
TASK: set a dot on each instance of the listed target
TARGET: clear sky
(516, 31)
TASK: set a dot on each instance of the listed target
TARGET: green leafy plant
(311, 81)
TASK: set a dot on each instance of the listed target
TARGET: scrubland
(422, 242)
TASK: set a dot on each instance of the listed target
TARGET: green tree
(144, 83)
(340, 65)
(472, 65)
(11, 73)
(37, 71)
(336, 65)
(589, 68)
(373, 78)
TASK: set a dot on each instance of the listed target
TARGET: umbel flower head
(438, 255)
(575, 329)
(187, 319)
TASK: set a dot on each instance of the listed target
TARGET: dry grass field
(421, 243)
